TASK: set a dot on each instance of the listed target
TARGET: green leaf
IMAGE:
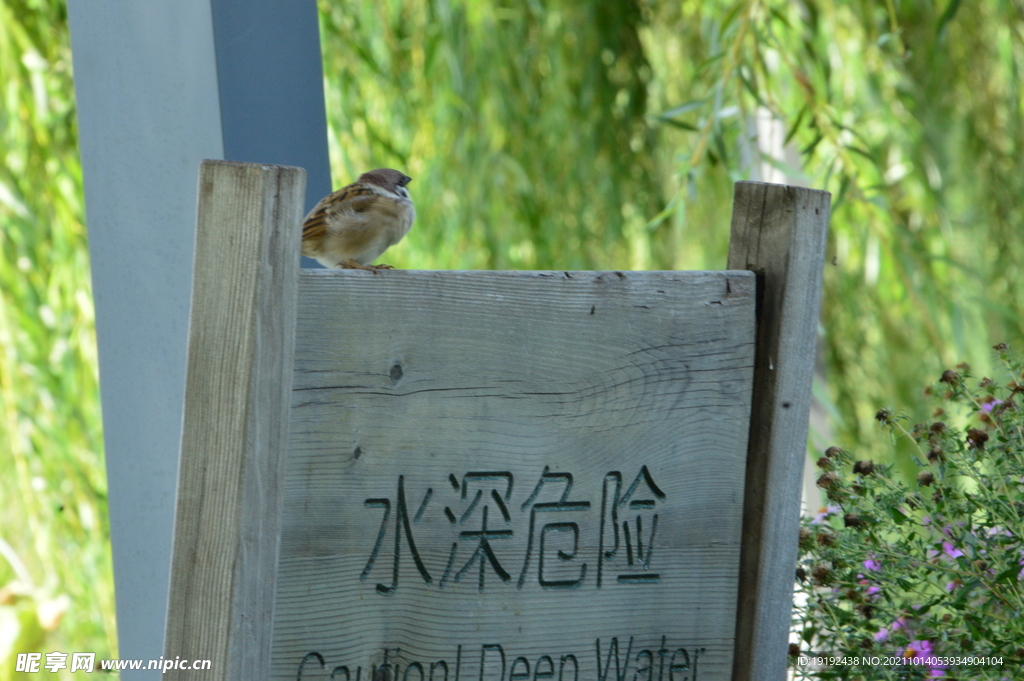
(897, 515)
(678, 124)
(752, 89)
(706, 64)
(809, 149)
(681, 109)
(796, 124)
(731, 15)
(1009, 575)
(778, 15)
(947, 16)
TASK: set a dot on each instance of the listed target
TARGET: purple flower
(872, 590)
(950, 550)
(917, 649)
(824, 513)
(989, 406)
(872, 564)
(924, 649)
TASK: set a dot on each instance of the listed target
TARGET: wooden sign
(493, 475)
(482, 476)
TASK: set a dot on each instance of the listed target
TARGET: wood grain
(238, 385)
(435, 400)
(779, 232)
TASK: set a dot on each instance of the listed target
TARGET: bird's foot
(382, 266)
(353, 265)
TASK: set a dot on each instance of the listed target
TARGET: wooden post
(237, 395)
(779, 232)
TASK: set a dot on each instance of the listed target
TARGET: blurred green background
(563, 134)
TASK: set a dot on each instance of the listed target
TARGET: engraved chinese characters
(475, 526)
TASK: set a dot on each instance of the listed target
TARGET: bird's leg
(382, 266)
(350, 264)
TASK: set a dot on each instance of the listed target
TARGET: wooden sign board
(497, 475)
(486, 476)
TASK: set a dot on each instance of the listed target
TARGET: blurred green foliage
(569, 134)
(564, 134)
(56, 586)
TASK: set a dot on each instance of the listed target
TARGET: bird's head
(389, 179)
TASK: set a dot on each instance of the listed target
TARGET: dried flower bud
(947, 618)
(821, 574)
(925, 478)
(966, 643)
(980, 564)
(826, 539)
(1019, 653)
(852, 520)
(985, 383)
(794, 649)
(938, 427)
(867, 610)
(964, 367)
(867, 644)
(1000, 347)
(949, 376)
(938, 413)
(864, 467)
(935, 454)
(883, 415)
(828, 480)
(833, 452)
(937, 496)
(976, 438)
(852, 595)
(801, 574)
(824, 463)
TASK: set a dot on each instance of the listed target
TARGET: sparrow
(351, 227)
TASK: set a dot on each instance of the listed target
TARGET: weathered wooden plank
(238, 387)
(438, 409)
(779, 232)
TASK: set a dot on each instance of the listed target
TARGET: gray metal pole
(160, 86)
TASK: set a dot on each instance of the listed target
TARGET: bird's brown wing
(354, 198)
